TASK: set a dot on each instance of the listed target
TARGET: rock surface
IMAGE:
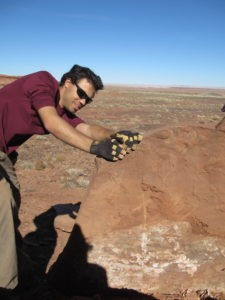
(155, 220)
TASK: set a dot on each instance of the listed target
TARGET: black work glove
(109, 149)
(129, 139)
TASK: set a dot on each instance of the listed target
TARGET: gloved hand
(110, 149)
(129, 139)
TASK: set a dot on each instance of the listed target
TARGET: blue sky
(153, 42)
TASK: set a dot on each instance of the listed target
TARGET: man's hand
(129, 139)
(109, 149)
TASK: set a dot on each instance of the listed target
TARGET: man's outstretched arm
(95, 132)
(63, 130)
(110, 149)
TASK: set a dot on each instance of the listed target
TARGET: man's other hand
(129, 139)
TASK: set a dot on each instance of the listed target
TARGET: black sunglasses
(82, 95)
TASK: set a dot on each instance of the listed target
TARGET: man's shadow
(39, 245)
(71, 274)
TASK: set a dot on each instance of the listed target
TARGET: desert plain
(55, 177)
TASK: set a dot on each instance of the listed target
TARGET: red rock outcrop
(156, 219)
(176, 174)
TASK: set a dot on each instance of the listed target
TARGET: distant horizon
(164, 86)
(139, 85)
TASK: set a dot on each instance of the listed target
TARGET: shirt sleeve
(41, 89)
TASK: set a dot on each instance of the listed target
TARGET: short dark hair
(77, 72)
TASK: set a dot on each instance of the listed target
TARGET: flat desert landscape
(54, 175)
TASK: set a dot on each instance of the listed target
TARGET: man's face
(74, 96)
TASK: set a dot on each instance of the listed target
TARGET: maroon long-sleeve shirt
(19, 102)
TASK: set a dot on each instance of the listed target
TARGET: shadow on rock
(40, 244)
(72, 275)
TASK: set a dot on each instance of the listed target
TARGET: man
(37, 104)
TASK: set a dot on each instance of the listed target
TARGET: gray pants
(9, 222)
